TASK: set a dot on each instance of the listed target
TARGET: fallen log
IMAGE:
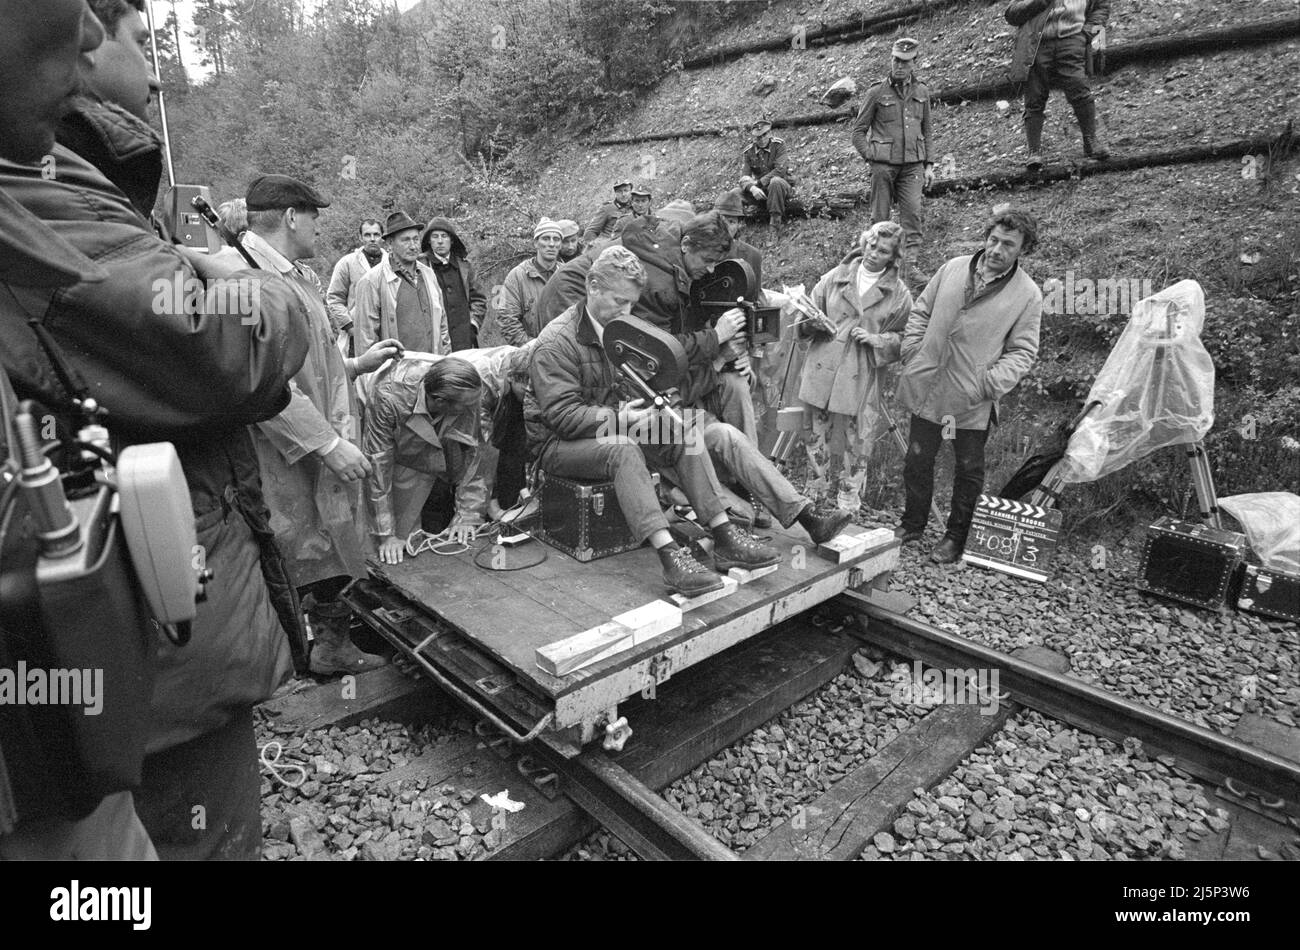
(1127, 54)
(1276, 147)
(844, 31)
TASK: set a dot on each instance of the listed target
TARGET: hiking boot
(914, 275)
(908, 535)
(735, 547)
(762, 519)
(821, 528)
(775, 221)
(683, 574)
(332, 651)
(1034, 162)
(946, 551)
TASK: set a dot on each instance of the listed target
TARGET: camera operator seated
(578, 425)
(429, 419)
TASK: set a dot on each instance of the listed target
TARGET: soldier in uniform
(892, 134)
(609, 219)
(766, 178)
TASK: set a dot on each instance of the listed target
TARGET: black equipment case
(582, 519)
(1270, 592)
(1190, 562)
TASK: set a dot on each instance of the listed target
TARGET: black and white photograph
(502, 431)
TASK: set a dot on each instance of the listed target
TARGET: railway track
(708, 708)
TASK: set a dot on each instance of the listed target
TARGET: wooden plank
(839, 824)
(384, 692)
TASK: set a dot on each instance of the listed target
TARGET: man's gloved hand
(929, 175)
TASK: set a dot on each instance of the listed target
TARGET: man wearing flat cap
(400, 298)
(570, 240)
(765, 176)
(609, 219)
(312, 470)
(518, 317)
(892, 134)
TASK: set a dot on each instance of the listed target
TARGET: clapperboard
(1013, 537)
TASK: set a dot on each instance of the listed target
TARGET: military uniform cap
(760, 125)
(275, 192)
(641, 191)
(905, 47)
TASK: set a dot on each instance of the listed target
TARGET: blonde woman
(867, 307)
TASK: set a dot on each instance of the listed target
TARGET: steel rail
(628, 808)
(1205, 754)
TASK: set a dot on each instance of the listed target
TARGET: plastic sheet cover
(1156, 388)
(1272, 524)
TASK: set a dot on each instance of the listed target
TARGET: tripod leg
(1203, 482)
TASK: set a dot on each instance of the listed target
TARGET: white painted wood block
(853, 541)
(729, 587)
(743, 576)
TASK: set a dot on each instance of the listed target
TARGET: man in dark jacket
(765, 177)
(579, 428)
(169, 365)
(463, 299)
(892, 134)
(38, 73)
(1051, 50)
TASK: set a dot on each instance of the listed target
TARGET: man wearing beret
(400, 298)
(765, 176)
(892, 134)
(312, 469)
(518, 318)
(608, 220)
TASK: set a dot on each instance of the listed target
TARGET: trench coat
(839, 374)
(318, 518)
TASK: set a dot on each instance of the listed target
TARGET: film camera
(732, 284)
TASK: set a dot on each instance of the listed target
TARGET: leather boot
(762, 520)
(683, 574)
(333, 651)
(1085, 110)
(735, 547)
(821, 528)
(1034, 140)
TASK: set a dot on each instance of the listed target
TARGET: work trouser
(899, 185)
(778, 192)
(837, 457)
(740, 455)
(732, 402)
(923, 441)
(1059, 64)
(627, 464)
